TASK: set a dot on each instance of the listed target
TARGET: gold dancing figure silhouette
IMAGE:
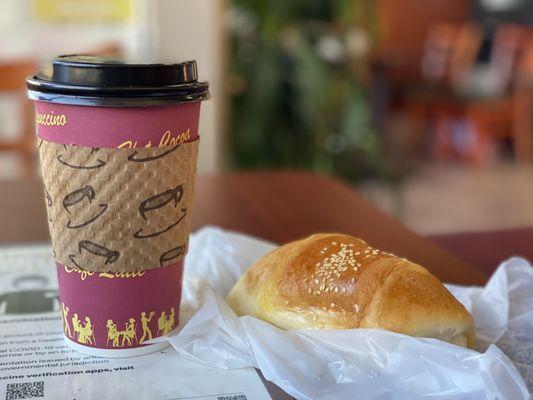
(145, 320)
(112, 333)
(76, 325)
(129, 334)
(83, 333)
(66, 325)
(164, 324)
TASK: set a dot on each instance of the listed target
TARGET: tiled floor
(440, 199)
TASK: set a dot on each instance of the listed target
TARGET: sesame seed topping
(333, 266)
(332, 305)
(356, 308)
(367, 251)
(336, 289)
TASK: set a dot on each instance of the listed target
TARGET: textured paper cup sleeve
(118, 210)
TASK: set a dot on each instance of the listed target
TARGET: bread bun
(338, 281)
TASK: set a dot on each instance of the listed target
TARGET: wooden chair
(495, 118)
(523, 108)
(452, 51)
(13, 81)
(449, 52)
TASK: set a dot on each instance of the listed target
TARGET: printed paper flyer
(36, 363)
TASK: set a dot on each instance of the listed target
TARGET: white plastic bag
(357, 363)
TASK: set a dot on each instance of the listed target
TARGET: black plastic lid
(97, 81)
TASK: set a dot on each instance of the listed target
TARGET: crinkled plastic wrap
(357, 363)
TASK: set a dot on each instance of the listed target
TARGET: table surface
(277, 206)
(486, 250)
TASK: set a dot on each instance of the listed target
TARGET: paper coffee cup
(118, 145)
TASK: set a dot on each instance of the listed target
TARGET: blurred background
(424, 105)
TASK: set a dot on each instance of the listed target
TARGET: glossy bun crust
(338, 281)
